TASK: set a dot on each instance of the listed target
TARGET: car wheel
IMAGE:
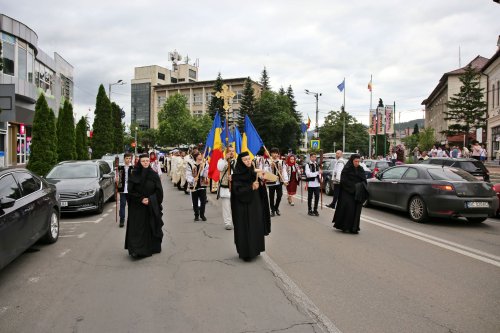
(417, 209)
(476, 219)
(53, 233)
(100, 203)
(328, 188)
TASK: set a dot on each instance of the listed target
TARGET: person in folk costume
(246, 208)
(155, 165)
(313, 174)
(293, 171)
(122, 177)
(182, 165)
(338, 166)
(176, 159)
(276, 166)
(145, 196)
(226, 168)
(196, 177)
(353, 194)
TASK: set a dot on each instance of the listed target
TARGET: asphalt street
(395, 276)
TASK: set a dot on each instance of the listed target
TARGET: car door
(387, 186)
(14, 226)
(36, 200)
(106, 180)
(408, 184)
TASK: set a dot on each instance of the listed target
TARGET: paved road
(395, 276)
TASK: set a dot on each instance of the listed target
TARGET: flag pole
(370, 118)
(343, 130)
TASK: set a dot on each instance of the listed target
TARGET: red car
(496, 188)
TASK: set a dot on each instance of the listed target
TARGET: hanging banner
(381, 120)
(389, 119)
(373, 121)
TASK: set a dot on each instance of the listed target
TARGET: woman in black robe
(352, 195)
(246, 207)
(145, 195)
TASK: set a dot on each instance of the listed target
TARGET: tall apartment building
(449, 85)
(152, 85)
(27, 73)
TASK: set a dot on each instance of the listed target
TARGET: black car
(376, 166)
(83, 185)
(472, 166)
(29, 211)
(328, 183)
(425, 190)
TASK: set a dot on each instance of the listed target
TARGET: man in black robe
(246, 208)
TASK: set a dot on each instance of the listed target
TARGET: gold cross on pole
(225, 94)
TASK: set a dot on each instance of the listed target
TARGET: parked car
(328, 182)
(345, 155)
(29, 211)
(472, 166)
(83, 185)
(496, 188)
(425, 190)
(110, 158)
(376, 166)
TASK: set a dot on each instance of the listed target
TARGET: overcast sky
(405, 45)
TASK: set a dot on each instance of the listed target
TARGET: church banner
(389, 119)
(373, 121)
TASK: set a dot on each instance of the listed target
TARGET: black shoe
(278, 212)
(329, 206)
(316, 213)
(354, 232)
(196, 218)
(310, 213)
(186, 192)
(203, 218)
(272, 213)
(122, 223)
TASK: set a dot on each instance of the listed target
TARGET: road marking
(63, 253)
(300, 297)
(77, 222)
(3, 309)
(104, 215)
(77, 236)
(455, 247)
(110, 210)
(34, 279)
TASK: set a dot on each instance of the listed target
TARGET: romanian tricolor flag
(251, 141)
(370, 85)
(214, 147)
(308, 122)
(237, 140)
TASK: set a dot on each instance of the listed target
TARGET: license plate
(64, 204)
(478, 204)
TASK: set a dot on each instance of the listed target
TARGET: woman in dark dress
(145, 195)
(246, 207)
(293, 171)
(351, 198)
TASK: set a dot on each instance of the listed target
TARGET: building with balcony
(492, 72)
(27, 73)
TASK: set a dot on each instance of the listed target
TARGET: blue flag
(251, 141)
(226, 134)
(341, 86)
(303, 127)
(237, 140)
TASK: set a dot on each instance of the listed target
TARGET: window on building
(209, 97)
(8, 53)
(238, 96)
(197, 98)
(182, 80)
(30, 65)
(192, 74)
(161, 101)
(161, 76)
(22, 63)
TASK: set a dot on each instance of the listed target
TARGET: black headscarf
(241, 171)
(352, 175)
(140, 173)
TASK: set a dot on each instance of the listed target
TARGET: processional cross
(225, 94)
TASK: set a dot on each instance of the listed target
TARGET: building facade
(448, 86)
(492, 72)
(27, 73)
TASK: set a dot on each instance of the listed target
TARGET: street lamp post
(135, 138)
(117, 83)
(316, 95)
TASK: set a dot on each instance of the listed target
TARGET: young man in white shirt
(313, 174)
(122, 176)
(276, 166)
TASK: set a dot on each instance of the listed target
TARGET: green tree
(293, 104)
(117, 128)
(247, 106)
(411, 141)
(264, 80)
(66, 146)
(467, 109)
(331, 133)
(199, 127)
(282, 91)
(43, 154)
(174, 121)
(216, 104)
(426, 139)
(415, 129)
(81, 142)
(148, 138)
(102, 137)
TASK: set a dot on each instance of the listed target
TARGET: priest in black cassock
(246, 207)
(145, 195)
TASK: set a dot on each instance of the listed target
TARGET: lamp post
(117, 83)
(135, 138)
(316, 95)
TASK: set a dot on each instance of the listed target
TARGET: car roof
(424, 166)
(91, 162)
(453, 159)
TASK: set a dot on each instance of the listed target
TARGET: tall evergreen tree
(102, 138)
(66, 149)
(264, 80)
(43, 155)
(247, 106)
(293, 104)
(52, 127)
(216, 104)
(117, 128)
(81, 143)
(415, 129)
(467, 108)
(282, 91)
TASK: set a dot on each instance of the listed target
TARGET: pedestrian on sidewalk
(246, 208)
(352, 195)
(122, 178)
(144, 228)
(293, 170)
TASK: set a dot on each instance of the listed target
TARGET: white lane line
(78, 222)
(104, 215)
(457, 248)
(34, 279)
(63, 253)
(3, 310)
(300, 297)
(77, 236)
(110, 210)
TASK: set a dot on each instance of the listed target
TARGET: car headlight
(86, 193)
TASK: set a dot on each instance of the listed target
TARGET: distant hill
(410, 124)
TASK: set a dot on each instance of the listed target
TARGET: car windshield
(451, 174)
(469, 166)
(69, 171)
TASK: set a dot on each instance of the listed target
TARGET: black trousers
(202, 195)
(278, 191)
(310, 192)
(336, 192)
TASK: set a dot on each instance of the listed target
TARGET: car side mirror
(7, 202)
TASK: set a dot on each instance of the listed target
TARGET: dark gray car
(83, 185)
(425, 190)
